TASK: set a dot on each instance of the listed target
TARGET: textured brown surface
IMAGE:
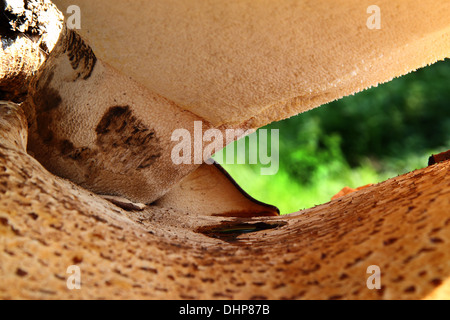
(402, 225)
(48, 224)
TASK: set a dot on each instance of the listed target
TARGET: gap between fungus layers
(271, 109)
(45, 99)
(122, 135)
(230, 231)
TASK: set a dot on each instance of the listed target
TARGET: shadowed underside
(177, 252)
(48, 224)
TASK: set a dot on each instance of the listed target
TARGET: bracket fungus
(89, 113)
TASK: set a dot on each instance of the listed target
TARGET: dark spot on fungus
(436, 282)
(21, 273)
(113, 114)
(67, 147)
(410, 289)
(33, 215)
(81, 56)
(121, 130)
(390, 241)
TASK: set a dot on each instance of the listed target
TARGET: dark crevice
(230, 231)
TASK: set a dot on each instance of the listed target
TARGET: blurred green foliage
(365, 138)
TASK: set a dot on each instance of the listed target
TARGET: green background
(366, 138)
